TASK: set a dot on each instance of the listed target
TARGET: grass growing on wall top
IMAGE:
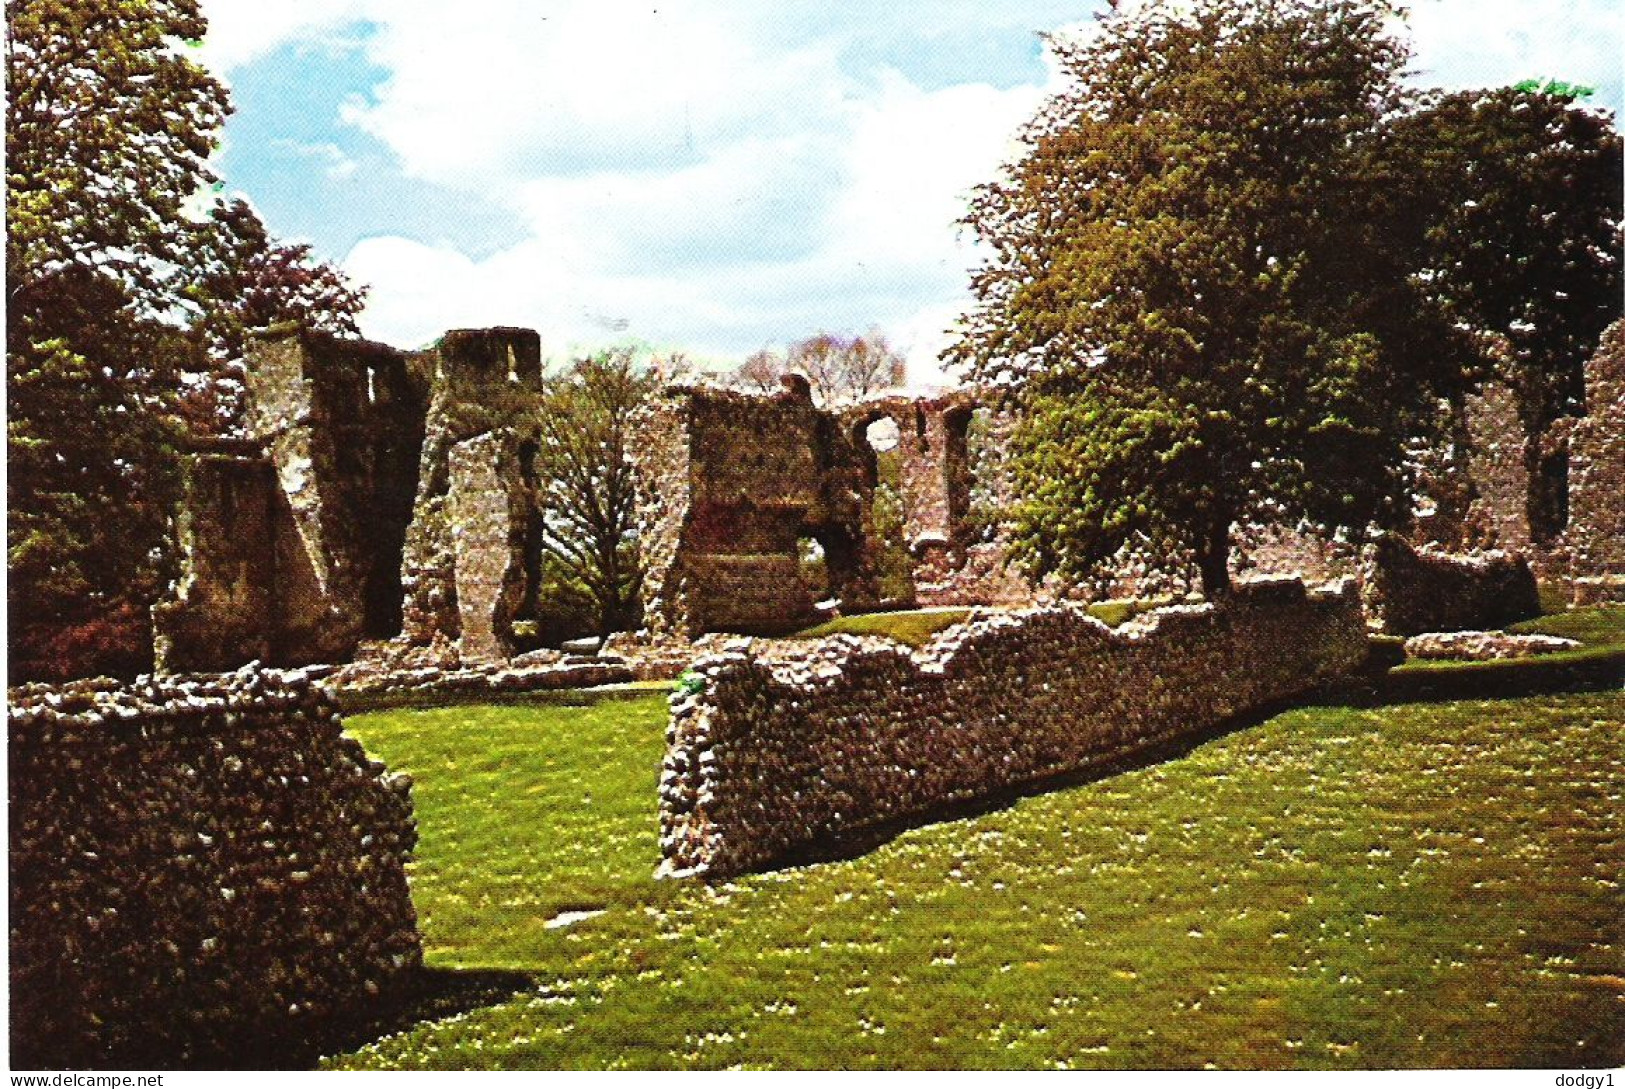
(1416, 885)
(913, 628)
(916, 627)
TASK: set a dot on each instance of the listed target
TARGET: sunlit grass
(1419, 885)
(913, 628)
(916, 627)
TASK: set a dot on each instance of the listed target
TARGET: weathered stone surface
(1483, 645)
(291, 544)
(1409, 592)
(489, 511)
(728, 486)
(485, 382)
(771, 752)
(1596, 445)
(200, 868)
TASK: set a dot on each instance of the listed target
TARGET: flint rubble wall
(201, 867)
(770, 754)
(1410, 592)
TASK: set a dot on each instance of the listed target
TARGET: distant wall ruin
(383, 494)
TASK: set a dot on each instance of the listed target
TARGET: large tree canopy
(115, 286)
(1203, 274)
(1519, 212)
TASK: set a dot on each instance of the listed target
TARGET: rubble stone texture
(291, 545)
(1410, 592)
(1596, 533)
(200, 868)
(1483, 646)
(729, 485)
(488, 518)
(770, 754)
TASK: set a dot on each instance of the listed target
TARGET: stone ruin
(773, 750)
(385, 497)
(732, 485)
(202, 870)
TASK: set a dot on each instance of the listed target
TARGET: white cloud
(706, 174)
(1489, 43)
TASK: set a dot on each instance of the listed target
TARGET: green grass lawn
(1600, 630)
(1415, 885)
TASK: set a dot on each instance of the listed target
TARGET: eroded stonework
(729, 487)
(384, 495)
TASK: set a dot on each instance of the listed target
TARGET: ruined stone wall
(225, 604)
(1596, 441)
(1497, 469)
(728, 484)
(772, 754)
(290, 542)
(486, 390)
(1410, 592)
(200, 868)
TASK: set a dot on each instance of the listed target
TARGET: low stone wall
(202, 868)
(768, 754)
(1410, 592)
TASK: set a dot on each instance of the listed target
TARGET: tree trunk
(1213, 560)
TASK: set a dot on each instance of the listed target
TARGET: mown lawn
(1415, 885)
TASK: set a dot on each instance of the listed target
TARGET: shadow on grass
(432, 994)
(1157, 751)
(429, 994)
(1591, 670)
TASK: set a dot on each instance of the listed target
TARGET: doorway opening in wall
(894, 567)
(814, 569)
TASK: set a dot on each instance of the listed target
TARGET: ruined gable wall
(728, 483)
(771, 754)
(201, 869)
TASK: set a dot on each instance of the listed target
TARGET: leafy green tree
(109, 124)
(1518, 205)
(1195, 276)
(585, 491)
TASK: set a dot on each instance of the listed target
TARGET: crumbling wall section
(1409, 592)
(488, 505)
(768, 755)
(201, 869)
(218, 616)
(1596, 530)
(291, 540)
(485, 382)
(729, 484)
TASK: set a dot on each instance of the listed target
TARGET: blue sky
(708, 176)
